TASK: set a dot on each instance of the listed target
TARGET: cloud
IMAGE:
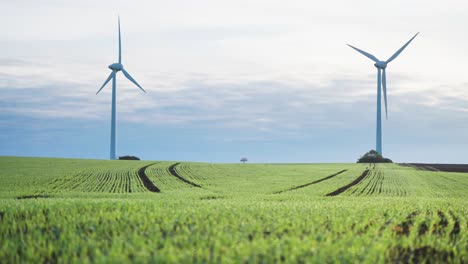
(269, 106)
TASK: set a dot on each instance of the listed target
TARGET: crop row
(107, 180)
(185, 170)
(392, 180)
(124, 179)
(380, 182)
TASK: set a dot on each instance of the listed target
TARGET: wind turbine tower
(381, 81)
(116, 67)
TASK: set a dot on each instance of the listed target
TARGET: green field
(78, 211)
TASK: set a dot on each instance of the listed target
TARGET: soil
(33, 196)
(438, 167)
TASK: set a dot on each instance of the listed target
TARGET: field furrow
(174, 172)
(310, 183)
(346, 187)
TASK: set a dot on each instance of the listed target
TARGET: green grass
(83, 211)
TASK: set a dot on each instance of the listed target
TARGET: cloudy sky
(270, 80)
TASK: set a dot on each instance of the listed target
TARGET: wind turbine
(116, 67)
(382, 80)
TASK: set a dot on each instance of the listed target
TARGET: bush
(128, 158)
(373, 157)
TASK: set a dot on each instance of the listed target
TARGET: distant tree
(128, 158)
(373, 157)
(244, 160)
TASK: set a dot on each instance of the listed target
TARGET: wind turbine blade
(384, 84)
(368, 55)
(120, 45)
(131, 79)
(107, 80)
(400, 50)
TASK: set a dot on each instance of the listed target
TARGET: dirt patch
(211, 197)
(405, 227)
(33, 196)
(438, 167)
(421, 254)
(174, 173)
(149, 185)
(346, 187)
(456, 226)
(310, 183)
(442, 224)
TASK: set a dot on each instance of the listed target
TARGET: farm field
(78, 211)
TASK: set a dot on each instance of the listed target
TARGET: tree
(373, 157)
(244, 160)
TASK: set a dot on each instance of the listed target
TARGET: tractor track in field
(149, 185)
(346, 187)
(174, 173)
(310, 183)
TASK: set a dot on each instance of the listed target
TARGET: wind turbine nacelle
(116, 66)
(381, 64)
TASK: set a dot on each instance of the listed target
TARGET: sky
(273, 81)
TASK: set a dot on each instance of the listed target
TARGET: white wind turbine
(116, 67)
(381, 80)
